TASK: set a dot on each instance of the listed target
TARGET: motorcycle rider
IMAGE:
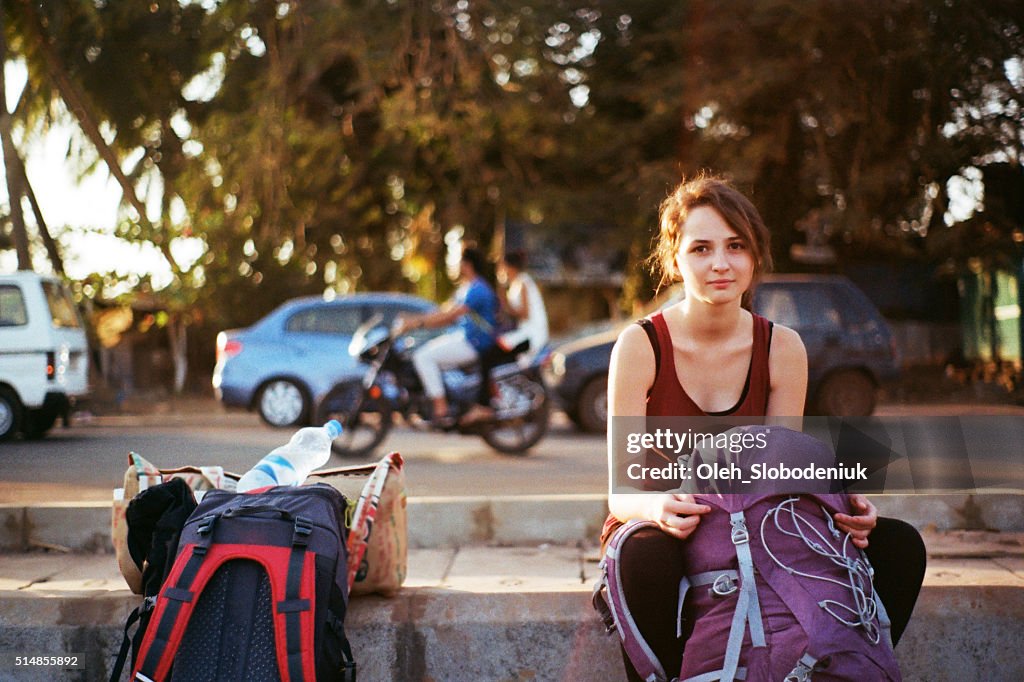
(474, 308)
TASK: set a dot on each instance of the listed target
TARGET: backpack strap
(336, 623)
(723, 583)
(610, 601)
(157, 650)
(748, 608)
(140, 614)
(293, 605)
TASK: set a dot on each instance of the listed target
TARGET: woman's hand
(677, 515)
(861, 525)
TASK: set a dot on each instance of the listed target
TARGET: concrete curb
(454, 634)
(501, 521)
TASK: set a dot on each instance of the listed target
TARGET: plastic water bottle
(309, 449)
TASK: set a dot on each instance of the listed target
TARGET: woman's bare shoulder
(633, 352)
(787, 346)
(633, 340)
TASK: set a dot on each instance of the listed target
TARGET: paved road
(86, 461)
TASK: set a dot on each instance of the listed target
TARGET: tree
(852, 121)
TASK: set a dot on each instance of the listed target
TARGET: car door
(72, 352)
(23, 344)
(319, 336)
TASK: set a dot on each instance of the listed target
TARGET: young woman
(718, 358)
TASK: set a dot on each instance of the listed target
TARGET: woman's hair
(476, 258)
(717, 193)
(516, 259)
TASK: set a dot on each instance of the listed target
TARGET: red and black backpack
(258, 592)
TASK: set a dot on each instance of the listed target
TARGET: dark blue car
(850, 350)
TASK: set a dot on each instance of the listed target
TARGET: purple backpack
(773, 591)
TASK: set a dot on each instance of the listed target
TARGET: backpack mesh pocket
(231, 633)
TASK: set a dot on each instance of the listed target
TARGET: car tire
(847, 393)
(365, 421)
(11, 413)
(592, 406)
(38, 422)
(282, 403)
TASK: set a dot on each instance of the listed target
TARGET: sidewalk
(518, 613)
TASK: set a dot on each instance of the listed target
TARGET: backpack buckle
(303, 529)
(739, 532)
(803, 669)
(723, 586)
(206, 524)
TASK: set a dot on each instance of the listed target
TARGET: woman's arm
(630, 376)
(517, 302)
(438, 318)
(788, 368)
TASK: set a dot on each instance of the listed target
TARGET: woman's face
(715, 263)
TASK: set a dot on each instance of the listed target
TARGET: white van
(44, 355)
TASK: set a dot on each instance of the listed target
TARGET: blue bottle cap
(333, 428)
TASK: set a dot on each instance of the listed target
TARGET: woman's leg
(897, 553)
(651, 566)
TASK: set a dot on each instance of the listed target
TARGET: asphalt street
(86, 461)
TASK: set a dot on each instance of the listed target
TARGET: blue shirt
(480, 323)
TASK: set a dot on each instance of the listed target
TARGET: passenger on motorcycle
(474, 308)
(524, 305)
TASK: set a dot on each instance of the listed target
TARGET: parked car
(850, 350)
(44, 354)
(284, 364)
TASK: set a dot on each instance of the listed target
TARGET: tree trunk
(76, 105)
(177, 332)
(44, 232)
(12, 165)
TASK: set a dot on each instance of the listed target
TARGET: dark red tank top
(668, 398)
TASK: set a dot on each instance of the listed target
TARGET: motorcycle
(391, 388)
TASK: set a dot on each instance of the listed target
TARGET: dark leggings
(491, 358)
(652, 565)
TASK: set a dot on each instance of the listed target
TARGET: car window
(333, 319)
(389, 311)
(62, 308)
(800, 307)
(12, 307)
(858, 312)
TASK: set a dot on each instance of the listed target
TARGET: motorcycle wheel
(516, 436)
(365, 421)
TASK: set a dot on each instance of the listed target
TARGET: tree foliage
(317, 145)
